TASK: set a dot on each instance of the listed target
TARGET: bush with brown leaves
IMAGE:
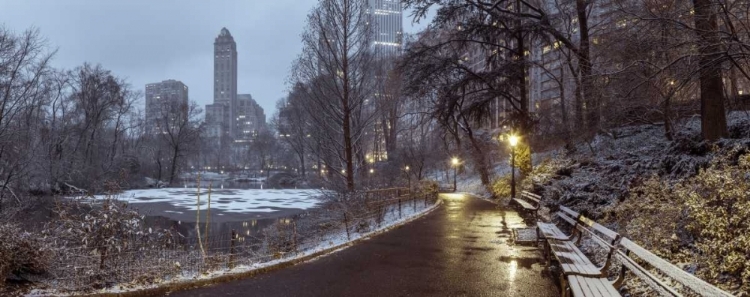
(21, 253)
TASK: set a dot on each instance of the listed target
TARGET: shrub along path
(460, 249)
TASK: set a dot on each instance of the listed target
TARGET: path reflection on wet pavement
(461, 249)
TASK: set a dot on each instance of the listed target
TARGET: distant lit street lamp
(513, 141)
(454, 161)
(408, 177)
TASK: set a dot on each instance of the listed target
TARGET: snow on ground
(227, 200)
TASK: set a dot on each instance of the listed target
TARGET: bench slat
(606, 288)
(582, 286)
(571, 258)
(598, 286)
(589, 286)
(531, 196)
(524, 204)
(652, 281)
(570, 216)
(576, 287)
(687, 279)
(599, 228)
(549, 230)
(566, 218)
(598, 240)
(570, 212)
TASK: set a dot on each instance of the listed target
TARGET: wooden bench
(629, 248)
(528, 200)
(579, 276)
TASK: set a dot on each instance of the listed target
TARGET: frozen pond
(226, 204)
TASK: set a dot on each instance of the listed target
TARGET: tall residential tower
(221, 115)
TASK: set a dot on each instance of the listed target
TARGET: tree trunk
(348, 151)
(481, 160)
(174, 165)
(667, 120)
(563, 111)
(521, 53)
(391, 139)
(158, 164)
(302, 162)
(591, 102)
(713, 117)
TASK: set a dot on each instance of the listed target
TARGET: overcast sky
(150, 41)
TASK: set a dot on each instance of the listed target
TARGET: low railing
(387, 193)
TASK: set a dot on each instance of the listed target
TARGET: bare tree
(389, 100)
(293, 123)
(177, 127)
(24, 86)
(693, 43)
(336, 64)
(262, 149)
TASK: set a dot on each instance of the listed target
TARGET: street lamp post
(408, 177)
(454, 161)
(513, 140)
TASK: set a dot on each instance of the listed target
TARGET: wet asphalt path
(460, 249)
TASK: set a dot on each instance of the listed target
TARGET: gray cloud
(150, 41)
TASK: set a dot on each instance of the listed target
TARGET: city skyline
(157, 47)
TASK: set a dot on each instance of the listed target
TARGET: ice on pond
(228, 200)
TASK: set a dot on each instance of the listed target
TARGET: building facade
(387, 16)
(216, 115)
(165, 102)
(250, 119)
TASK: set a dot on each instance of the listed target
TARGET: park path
(460, 249)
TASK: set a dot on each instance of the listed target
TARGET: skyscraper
(223, 112)
(164, 100)
(387, 17)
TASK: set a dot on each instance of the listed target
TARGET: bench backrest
(691, 281)
(566, 218)
(531, 196)
(591, 224)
